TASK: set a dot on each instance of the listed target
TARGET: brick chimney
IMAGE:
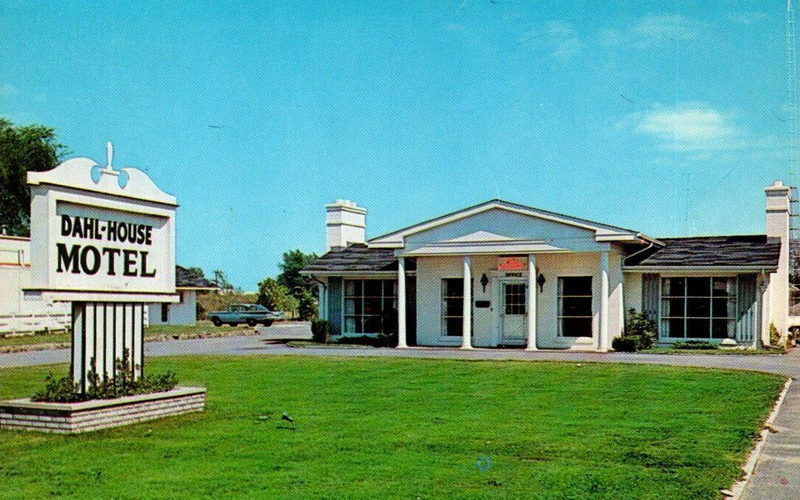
(778, 212)
(346, 223)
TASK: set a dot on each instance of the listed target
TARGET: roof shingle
(357, 258)
(712, 251)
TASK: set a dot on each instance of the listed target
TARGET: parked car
(252, 314)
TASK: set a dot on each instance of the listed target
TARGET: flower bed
(24, 414)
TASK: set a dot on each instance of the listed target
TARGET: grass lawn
(201, 328)
(373, 428)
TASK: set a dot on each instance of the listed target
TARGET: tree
(275, 296)
(290, 277)
(23, 149)
(221, 280)
(306, 305)
(195, 273)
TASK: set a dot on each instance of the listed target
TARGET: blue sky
(665, 117)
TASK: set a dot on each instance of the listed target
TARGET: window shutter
(650, 292)
(335, 305)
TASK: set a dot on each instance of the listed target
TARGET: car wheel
(251, 322)
(217, 322)
(268, 322)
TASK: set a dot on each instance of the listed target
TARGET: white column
(466, 337)
(531, 303)
(401, 303)
(602, 337)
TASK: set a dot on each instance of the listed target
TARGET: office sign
(514, 263)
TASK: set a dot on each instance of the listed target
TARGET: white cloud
(560, 38)
(695, 127)
(655, 29)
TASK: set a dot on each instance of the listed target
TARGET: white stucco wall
(633, 292)
(182, 313)
(431, 270)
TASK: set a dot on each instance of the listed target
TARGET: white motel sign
(103, 239)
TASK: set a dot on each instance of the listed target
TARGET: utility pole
(791, 80)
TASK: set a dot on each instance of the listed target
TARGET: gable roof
(604, 232)
(749, 251)
(356, 258)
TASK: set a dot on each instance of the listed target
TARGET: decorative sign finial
(109, 154)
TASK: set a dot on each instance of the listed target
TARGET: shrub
(774, 336)
(642, 328)
(64, 390)
(58, 390)
(320, 330)
(387, 339)
(626, 343)
(306, 304)
(695, 344)
(276, 297)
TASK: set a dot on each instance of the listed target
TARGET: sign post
(104, 240)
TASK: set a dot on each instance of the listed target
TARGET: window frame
(732, 299)
(519, 305)
(384, 316)
(559, 307)
(443, 319)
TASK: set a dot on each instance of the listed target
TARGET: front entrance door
(513, 321)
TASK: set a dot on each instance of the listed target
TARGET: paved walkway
(777, 474)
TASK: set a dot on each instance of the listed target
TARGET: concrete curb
(737, 489)
(157, 338)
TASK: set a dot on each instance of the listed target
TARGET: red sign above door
(512, 263)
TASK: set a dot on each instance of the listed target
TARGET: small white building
(184, 312)
(19, 314)
(504, 274)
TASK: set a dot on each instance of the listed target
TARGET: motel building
(500, 274)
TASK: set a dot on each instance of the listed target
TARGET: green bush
(306, 304)
(59, 390)
(774, 336)
(642, 328)
(64, 390)
(276, 297)
(320, 330)
(695, 344)
(626, 343)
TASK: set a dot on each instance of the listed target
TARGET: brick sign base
(71, 418)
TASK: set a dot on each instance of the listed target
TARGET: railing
(31, 323)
